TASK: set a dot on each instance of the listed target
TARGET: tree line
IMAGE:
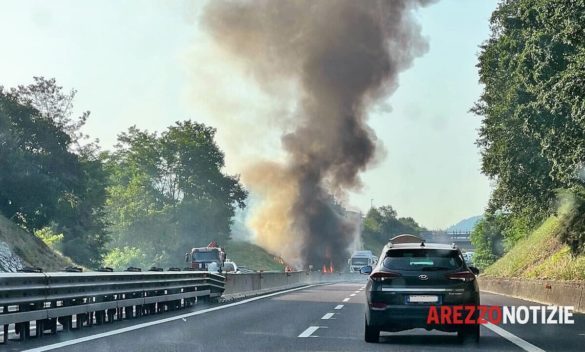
(532, 137)
(145, 202)
(382, 223)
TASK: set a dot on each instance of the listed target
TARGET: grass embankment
(31, 249)
(540, 256)
(252, 256)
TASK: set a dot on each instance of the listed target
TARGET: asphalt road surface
(316, 318)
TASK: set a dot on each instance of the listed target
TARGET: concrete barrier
(262, 281)
(565, 293)
(242, 283)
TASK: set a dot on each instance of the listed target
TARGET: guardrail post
(5, 339)
(23, 328)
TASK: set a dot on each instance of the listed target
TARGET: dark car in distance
(409, 278)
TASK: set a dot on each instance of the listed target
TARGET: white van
(360, 259)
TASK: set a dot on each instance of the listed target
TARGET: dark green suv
(411, 277)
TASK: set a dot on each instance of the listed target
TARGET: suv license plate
(423, 299)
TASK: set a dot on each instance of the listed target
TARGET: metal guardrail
(96, 297)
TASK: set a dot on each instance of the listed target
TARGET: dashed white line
(525, 345)
(310, 330)
(339, 306)
(352, 295)
(328, 316)
(346, 299)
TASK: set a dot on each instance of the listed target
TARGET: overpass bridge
(460, 238)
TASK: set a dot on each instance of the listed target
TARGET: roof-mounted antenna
(422, 243)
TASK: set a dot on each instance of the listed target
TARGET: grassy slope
(540, 256)
(29, 248)
(252, 256)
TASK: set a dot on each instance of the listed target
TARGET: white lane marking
(525, 345)
(339, 306)
(346, 299)
(328, 316)
(310, 330)
(352, 295)
(157, 322)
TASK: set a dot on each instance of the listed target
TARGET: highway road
(315, 318)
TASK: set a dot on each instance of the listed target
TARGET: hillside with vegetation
(253, 257)
(144, 203)
(19, 248)
(542, 254)
(532, 140)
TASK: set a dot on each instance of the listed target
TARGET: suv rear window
(421, 259)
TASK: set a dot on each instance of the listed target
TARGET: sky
(149, 63)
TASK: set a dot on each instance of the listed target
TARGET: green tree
(122, 258)
(382, 223)
(532, 136)
(487, 238)
(48, 177)
(168, 193)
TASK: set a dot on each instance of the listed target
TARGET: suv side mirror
(474, 270)
(366, 270)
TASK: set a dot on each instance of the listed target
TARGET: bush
(122, 258)
(488, 239)
(51, 239)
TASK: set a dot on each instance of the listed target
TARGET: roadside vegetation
(543, 255)
(532, 140)
(253, 257)
(383, 223)
(145, 203)
(29, 248)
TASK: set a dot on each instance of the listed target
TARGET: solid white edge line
(310, 330)
(346, 299)
(339, 306)
(327, 316)
(525, 345)
(157, 322)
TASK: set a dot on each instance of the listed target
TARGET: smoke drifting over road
(341, 57)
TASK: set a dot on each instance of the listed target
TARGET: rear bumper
(405, 317)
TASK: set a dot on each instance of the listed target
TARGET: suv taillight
(465, 276)
(382, 276)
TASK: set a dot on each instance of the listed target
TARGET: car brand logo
(423, 277)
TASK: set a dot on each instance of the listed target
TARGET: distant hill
(19, 248)
(465, 225)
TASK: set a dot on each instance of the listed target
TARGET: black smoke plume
(341, 56)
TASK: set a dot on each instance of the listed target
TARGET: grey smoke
(343, 56)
